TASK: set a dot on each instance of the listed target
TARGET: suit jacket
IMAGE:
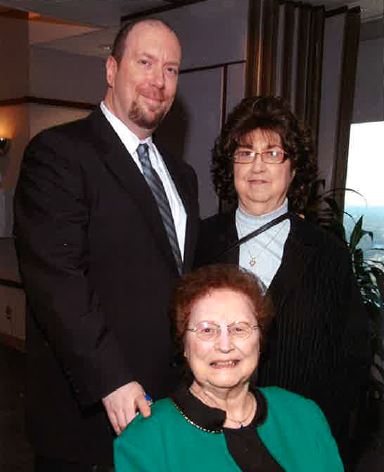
(318, 343)
(98, 272)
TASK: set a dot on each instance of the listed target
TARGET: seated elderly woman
(217, 421)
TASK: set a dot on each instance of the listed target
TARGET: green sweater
(295, 432)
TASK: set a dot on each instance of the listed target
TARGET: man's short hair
(119, 43)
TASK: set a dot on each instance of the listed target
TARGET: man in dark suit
(105, 222)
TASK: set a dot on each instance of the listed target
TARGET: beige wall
(40, 73)
(59, 75)
(213, 35)
(21, 123)
(42, 116)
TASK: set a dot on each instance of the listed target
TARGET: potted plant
(324, 208)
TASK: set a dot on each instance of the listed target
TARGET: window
(365, 174)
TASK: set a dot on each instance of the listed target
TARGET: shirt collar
(128, 138)
(260, 220)
(210, 419)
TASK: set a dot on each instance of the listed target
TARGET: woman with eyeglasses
(263, 169)
(218, 420)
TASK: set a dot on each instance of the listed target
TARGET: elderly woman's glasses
(209, 331)
(269, 156)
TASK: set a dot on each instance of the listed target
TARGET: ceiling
(101, 13)
(88, 26)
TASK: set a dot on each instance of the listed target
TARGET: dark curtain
(285, 57)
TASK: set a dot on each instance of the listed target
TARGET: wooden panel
(5, 316)
(12, 312)
(16, 303)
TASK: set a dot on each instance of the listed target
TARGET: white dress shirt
(131, 142)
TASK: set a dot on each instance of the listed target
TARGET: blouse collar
(210, 419)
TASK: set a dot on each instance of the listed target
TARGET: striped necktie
(157, 188)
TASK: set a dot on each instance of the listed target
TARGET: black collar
(210, 419)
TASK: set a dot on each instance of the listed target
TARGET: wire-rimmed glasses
(209, 331)
(269, 156)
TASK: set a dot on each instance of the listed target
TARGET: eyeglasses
(209, 331)
(269, 156)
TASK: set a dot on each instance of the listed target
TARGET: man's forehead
(152, 33)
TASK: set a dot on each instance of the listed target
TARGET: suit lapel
(120, 163)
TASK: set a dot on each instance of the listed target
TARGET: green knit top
(295, 433)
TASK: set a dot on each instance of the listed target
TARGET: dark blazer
(98, 272)
(317, 345)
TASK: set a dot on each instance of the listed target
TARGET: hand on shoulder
(124, 403)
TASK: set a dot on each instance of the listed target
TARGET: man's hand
(123, 404)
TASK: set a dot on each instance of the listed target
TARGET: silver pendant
(252, 261)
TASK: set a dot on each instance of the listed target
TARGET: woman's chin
(226, 381)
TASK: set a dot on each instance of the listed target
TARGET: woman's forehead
(267, 137)
(220, 300)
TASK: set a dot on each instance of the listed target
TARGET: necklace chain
(251, 412)
(239, 422)
(253, 258)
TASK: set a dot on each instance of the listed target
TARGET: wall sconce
(4, 146)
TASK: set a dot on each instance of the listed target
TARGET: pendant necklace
(253, 258)
(244, 420)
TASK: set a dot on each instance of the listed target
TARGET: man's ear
(110, 70)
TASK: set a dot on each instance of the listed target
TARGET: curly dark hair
(194, 286)
(269, 114)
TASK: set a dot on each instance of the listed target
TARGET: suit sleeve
(51, 229)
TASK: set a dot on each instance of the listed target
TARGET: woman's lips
(228, 364)
(257, 182)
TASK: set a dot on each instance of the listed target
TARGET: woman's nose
(258, 163)
(224, 341)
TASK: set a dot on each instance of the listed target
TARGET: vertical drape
(286, 58)
(349, 64)
(285, 42)
(262, 44)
